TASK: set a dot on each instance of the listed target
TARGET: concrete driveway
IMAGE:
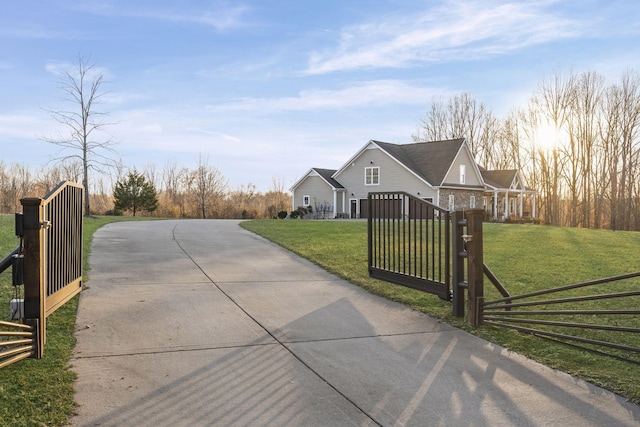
(199, 322)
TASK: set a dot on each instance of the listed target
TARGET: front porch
(509, 205)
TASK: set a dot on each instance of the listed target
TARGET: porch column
(506, 204)
(495, 205)
(533, 207)
(521, 201)
(335, 203)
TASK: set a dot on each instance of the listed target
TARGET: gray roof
(429, 160)
(499, 178)
(327, 174)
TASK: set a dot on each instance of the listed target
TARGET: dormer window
(372, 175)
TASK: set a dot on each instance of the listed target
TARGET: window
(452, 202)
(306, 200)
(463, 170)
(472, 202)
(372, 175)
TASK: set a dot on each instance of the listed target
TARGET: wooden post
(475, 262)
(34, 290)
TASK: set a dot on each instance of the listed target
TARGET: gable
(429, 160)
(393, 173)
(502, 179)
(323, 174)
(463, 164)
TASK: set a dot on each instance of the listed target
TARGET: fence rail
(16, 342)
(610, 327)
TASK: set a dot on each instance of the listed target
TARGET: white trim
(357, 208)
(352, 159)
(312, 172)
(373, 174)
(371, 145)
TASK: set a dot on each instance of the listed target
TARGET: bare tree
(554, 100)
(621, 136)
(461, 117)
(207, 187)
(82, 89)
(583, 126)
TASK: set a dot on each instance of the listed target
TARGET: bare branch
(82, 90)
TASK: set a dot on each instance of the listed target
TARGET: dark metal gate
(414, 243)
(406, 249)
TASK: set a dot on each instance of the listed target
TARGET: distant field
(524, 257)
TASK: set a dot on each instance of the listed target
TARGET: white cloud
(364, 94)
(220, 15)
(457, 30)
(26, 125)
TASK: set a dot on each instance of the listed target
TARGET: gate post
(475, 262)
(33, 276)
(458, 256)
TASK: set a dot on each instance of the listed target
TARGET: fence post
(458, 256)
(33, 276)
(475, 262)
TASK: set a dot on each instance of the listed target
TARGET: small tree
(135, 193)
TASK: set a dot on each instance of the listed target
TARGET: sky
(264, 90)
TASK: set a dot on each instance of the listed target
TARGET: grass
(40, 392)
(525, 258)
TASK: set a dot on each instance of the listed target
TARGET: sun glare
(547, 136)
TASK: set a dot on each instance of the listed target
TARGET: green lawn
(40, 392)
(525, 258)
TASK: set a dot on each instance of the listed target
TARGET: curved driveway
(199, 322)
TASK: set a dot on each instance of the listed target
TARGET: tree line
(577, 142)
(182, 192)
